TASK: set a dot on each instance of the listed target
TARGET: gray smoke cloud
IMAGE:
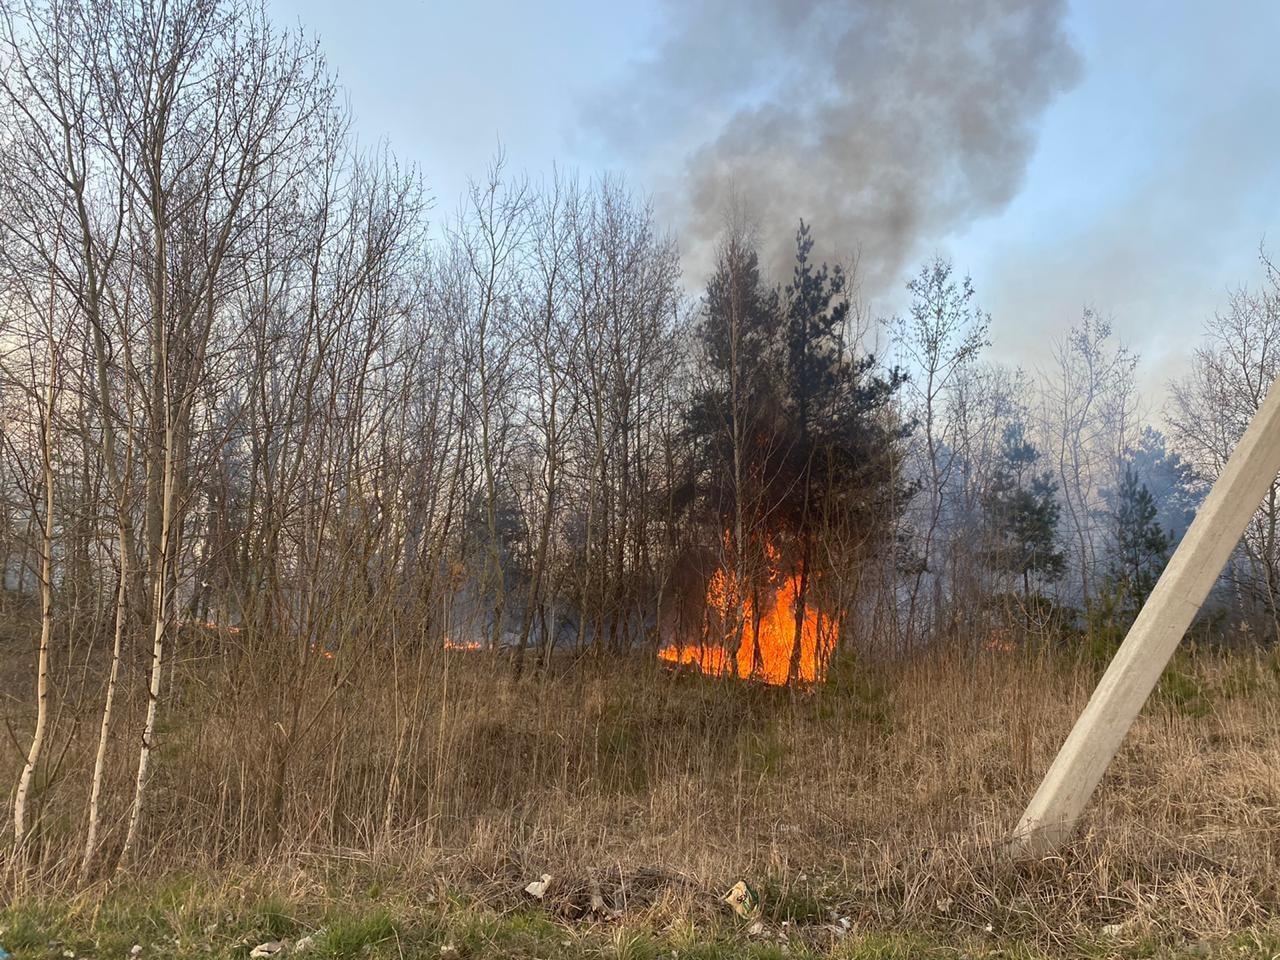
(885, 123)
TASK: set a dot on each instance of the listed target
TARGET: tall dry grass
(889, 789)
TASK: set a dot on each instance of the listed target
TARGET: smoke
(885, 123)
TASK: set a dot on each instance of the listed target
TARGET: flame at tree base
(765, 653)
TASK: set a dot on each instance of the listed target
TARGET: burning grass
(768, 629)
(881, 796)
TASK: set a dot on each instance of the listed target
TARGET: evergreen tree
(1175, 489)
(791, 427)
(1022, 509)
(837, 466)
(734, 420)
(1141, 545)
(808, 407)
(838, 439)
(736, 400)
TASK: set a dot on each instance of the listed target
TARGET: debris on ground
(840, 926)
(307, 942)
(268, 949)
(1117, 929)
(743, 900)
(538, 888)
(599, 907)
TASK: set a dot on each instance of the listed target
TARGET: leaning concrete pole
(1220, 522)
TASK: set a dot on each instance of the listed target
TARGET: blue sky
(445, 83)
(1154, 181)
(1150, 184)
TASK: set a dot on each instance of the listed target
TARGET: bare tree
(1208, 412)
(1087, 419)
(939, 339)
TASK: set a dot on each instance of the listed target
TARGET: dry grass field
(869, 812)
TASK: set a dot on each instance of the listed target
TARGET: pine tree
(792, 429)
(838, 440)
(1022, 509)
(737, 330)
(1175, 489)
(839, 452)
(1141, 545)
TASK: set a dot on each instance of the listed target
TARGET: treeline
(257, 408)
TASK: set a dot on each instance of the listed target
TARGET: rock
(268, 949)
(307, 942)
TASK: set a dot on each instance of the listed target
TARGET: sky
(1065, 153)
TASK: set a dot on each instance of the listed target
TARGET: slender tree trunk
(795, 671)
(23, 793)
(108, 706)
(160, 617)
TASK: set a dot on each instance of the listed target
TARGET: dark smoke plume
(884, 122)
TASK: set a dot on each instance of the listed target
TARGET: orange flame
(451, 644)
(999, 641)
(766, 656)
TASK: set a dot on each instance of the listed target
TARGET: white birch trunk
(23, 793)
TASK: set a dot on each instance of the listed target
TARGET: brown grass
(883, 796)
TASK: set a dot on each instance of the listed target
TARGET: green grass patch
(1182, 693)
(179, 923)
(347, 936)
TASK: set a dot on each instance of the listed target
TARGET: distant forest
(253, 404)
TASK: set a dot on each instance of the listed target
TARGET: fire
(451, 644)
(768, 657)
(999, 641)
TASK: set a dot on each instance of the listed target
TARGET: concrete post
(1219, 523)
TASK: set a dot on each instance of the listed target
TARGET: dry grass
(883, 797)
